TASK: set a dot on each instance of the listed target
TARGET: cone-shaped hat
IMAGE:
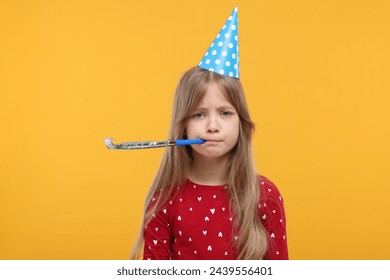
(222, 56)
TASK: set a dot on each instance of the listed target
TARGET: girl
(207, 201)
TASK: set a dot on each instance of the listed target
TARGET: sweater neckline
(203, 186)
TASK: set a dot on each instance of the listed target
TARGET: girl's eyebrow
(220, 108)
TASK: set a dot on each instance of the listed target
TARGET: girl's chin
(210, 153)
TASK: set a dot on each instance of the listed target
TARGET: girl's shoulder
(268, 189)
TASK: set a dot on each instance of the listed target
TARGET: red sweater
(197, 224)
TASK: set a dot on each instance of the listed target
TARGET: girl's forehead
(214, 95)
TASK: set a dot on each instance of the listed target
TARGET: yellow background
(316, 75)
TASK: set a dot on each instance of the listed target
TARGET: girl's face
(216, 121)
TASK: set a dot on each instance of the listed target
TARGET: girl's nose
(210, 130)
(212, 125)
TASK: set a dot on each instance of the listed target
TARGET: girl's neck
(208, 171)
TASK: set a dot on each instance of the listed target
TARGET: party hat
(222, 56)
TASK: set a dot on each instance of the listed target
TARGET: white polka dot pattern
(222, 56)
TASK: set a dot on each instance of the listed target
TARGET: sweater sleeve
(157, 237)
(274, 220)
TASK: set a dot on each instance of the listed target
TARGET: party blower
(150, 144)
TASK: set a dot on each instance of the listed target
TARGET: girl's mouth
(212, 140)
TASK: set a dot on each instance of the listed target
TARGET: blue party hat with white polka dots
(222, 56)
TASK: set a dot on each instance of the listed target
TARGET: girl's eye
(199, 115)
(226, 114)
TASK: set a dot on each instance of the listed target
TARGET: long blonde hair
(242, 179)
